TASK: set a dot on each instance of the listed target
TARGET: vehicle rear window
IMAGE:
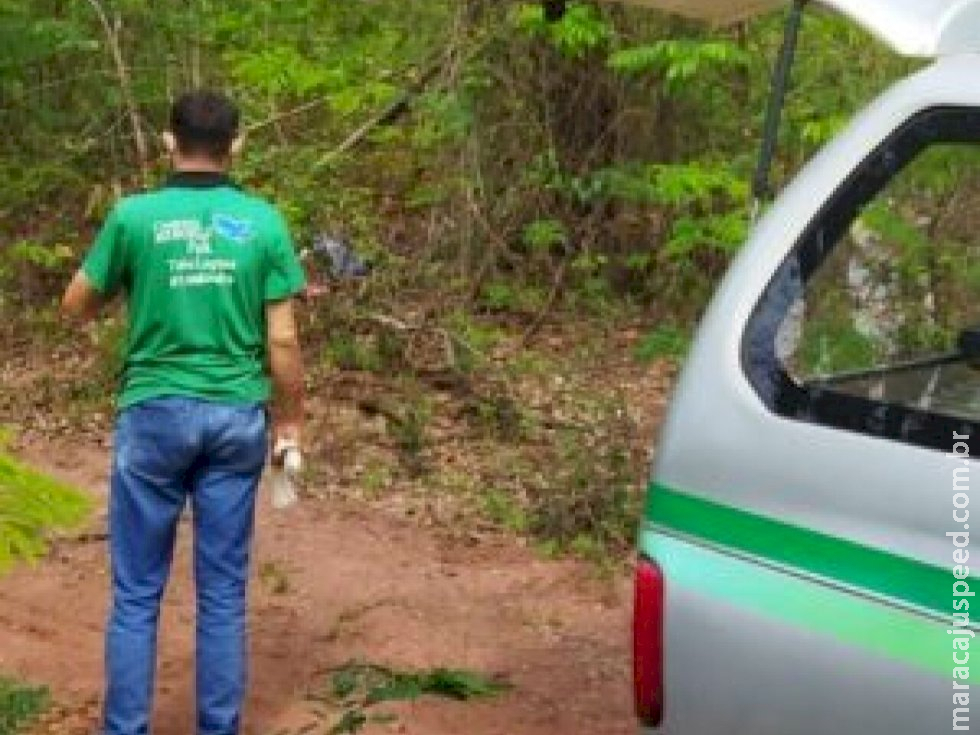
(873, 322)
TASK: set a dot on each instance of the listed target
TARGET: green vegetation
(589, 503)
(504, 510)
(31, 504)
(357, 687)
(19, 705)
(521, 188)
(667, 341)
(274, 578)
(637, 132)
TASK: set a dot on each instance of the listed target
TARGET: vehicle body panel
(808, 572)
(714, 401)
(755, 651)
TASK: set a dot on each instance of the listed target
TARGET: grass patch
(588, 501)
(31, 504)
(358, 686)
(504, 510)
(376, 479)
(665, 342)
(19, 705)
(274, 578)
(350, 352)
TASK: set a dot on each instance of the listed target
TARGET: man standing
(209, 273)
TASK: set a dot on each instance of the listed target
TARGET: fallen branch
(392, 112)
(400, 105)
(305, 107)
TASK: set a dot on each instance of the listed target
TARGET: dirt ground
(336, 581)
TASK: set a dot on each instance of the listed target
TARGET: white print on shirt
(197, 266)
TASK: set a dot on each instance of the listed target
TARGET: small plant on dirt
(92, 391)
(19, 705)
(509, 296)
(529, 362)
(31, 504)
(407, 428)
(352, 352)
(498, 296)
(503, 509)
(110, 340)
(358, 686)
(472, 340)
(498, 414)
(409, 431)
(383, 352)
(274, 578)
(376, 479)
(391, 347)
(665, 342)
(590, 503)
(543, 235)
(34, 270)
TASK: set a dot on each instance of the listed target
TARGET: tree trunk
(125, 85)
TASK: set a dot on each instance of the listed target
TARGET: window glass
(882, 315)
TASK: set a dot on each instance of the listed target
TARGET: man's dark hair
(204, 122)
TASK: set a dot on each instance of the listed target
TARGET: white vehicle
(805, 554)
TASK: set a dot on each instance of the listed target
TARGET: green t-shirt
(198, 260)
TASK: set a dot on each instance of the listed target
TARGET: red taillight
(648, 643)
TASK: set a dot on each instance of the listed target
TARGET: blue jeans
(167, 451)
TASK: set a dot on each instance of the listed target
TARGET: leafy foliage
(544, 234)
(19, 705)
(679, 61)
(503, 173)
(552, 136)
(580, 31)
(667, 341)
(358, 686)
(30, 505)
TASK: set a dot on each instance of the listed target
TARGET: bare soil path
(335, 582)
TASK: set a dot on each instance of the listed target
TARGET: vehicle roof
(922, 28)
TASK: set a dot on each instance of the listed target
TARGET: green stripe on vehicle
(871, 570)
(893, 633)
